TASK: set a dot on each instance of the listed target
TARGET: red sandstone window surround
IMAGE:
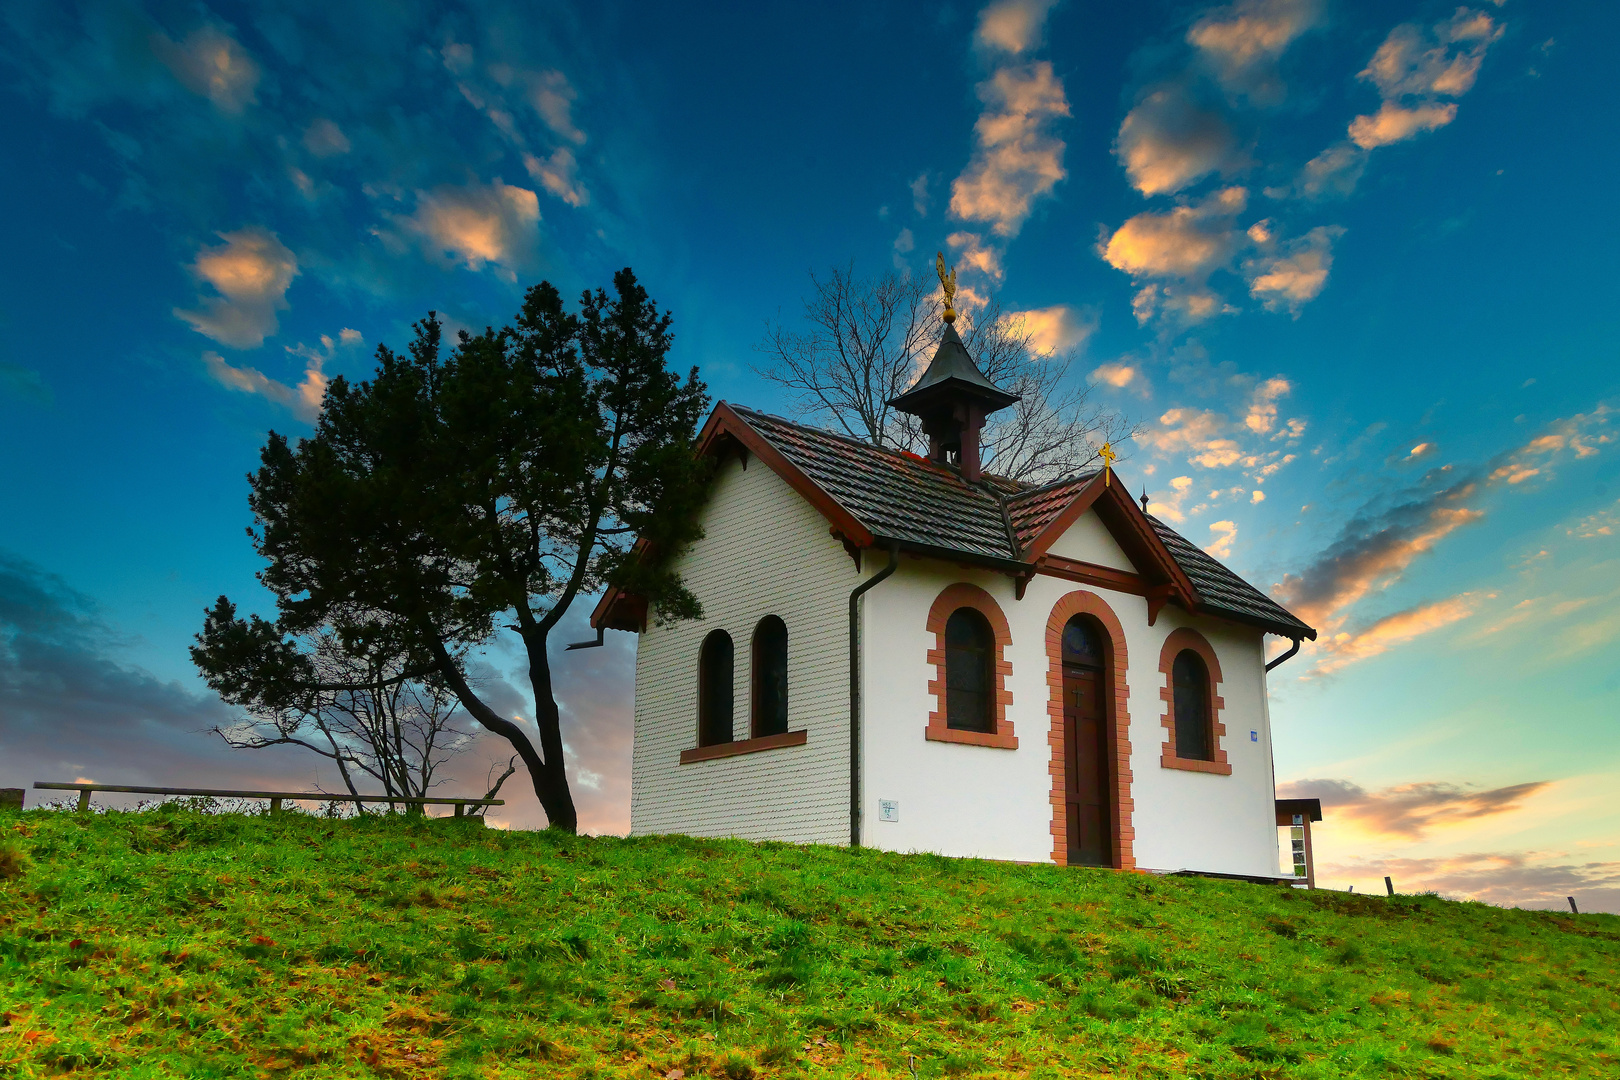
(1211, 757)
(948, 602)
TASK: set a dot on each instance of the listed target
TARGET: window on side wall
(715, 706)
(1190, 682)
(770, 683)
(970, 685)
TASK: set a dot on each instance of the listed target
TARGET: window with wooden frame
(1190, 693)
(715, 705)
(1192, 704)
(970, 683)
(770, 677)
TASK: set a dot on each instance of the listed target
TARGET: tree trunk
(549, 720)
(550, 787)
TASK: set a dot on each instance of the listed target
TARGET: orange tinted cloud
(479, 224)
(1410, 810)
(1340, 650)
(1017, 158)
(249, 274)
(1395, 123)
(1374, 552)
(1188, 241)
(1294, 274)
(1056, 329)
(1013, 26)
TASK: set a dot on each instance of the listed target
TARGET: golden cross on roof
(1109, 457)
(948, 283)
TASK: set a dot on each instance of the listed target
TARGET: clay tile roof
(896, 495)
(1033, 509)
(901, 496)
(1222, 592)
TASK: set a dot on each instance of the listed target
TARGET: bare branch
(865, 340)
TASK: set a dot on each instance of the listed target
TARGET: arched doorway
(1086, 782)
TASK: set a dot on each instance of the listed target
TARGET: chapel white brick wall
(766, 552)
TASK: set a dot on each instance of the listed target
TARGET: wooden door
(1085, 744)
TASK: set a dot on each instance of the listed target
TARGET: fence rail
(276, 797)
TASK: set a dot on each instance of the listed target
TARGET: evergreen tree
(462, 493)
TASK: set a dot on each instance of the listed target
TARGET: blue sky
(1349, 266)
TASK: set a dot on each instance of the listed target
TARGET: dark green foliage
(460, 491)
(548, 955)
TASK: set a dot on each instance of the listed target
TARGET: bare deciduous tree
(867, 339)
(396, 730)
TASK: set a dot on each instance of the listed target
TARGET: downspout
(1291, 651)
(855, 693)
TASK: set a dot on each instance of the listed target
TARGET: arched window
(714, 689)
(1190, 679)
(1082, 645)
(970, 685)
(770, 677)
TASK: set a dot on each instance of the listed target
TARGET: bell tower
(953, 397)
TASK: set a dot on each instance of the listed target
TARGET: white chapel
(913, 654)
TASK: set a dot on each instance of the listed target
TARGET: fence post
(11, 798)
(275, 807)
(1388, 887)
(461, 811)
(84, 801)
(1573, 909)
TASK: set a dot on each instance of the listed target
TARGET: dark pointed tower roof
(951, 376)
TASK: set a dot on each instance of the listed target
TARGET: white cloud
(213, 64)
(1168, 141)
(1198, 433)
(974, 255)
(1116, 375)
(558, 174)
(1013, 26)
(1263, 404)
(1225, 532)
(1017, 159)
(250, 274)
(1056, 329)
(1293, 276)
(1170, 508)
(1257, 496)
(479, 224)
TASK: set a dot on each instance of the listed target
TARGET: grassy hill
(173, 944)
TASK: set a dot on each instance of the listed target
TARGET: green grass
(174, 944)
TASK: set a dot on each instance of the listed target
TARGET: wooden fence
(276, 797)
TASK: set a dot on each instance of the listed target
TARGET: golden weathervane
(1108, 456)
(948, 283)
